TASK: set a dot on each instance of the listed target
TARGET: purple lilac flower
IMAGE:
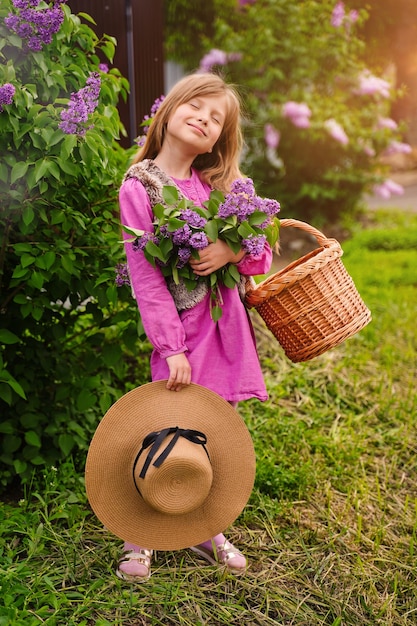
(198, 241)
(336, 131)
(298, 113)
(140, 141)
(182, 235)
(7, 92)
(272, 136)
(242, 202)
(388, 188)
(217, 57)
(140, 242)
(338, 15)
(270, 207)
(35, 25)
(244, 186)
(370, 85)
(193, 219)
(103, 67)
(254, 244)
(398, 147)
(184, 255)
(122, 275)
(156, 105)
(82, 104)
(387, 122)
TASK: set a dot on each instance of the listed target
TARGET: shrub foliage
(309, 55)
(62, 325)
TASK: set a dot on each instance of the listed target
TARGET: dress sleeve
(159, 315)
(254, 266)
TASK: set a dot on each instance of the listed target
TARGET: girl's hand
(213, 257)
(179, 372)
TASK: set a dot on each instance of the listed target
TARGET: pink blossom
(298, 112)
(387, 122)
(397, 147)
(353, 16)
(338, 14)
(272, 136)
(370, 85)
(336, 131)
(217, 57)
(368, 148)
(387, 189)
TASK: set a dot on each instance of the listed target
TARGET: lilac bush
(59, 235)
(313, 133)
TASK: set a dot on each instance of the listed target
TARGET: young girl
(194, 143)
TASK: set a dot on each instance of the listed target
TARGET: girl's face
(197, 124)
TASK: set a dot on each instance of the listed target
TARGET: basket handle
(321, 239)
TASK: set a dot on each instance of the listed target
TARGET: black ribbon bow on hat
(155, 440)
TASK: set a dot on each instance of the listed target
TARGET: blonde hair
(220, 167)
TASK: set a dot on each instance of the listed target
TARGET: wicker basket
(311, 305)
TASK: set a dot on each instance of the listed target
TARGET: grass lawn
(330, 528)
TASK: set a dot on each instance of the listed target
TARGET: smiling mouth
(200, 130)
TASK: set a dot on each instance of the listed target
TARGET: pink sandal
(223, 554)
(138, 565)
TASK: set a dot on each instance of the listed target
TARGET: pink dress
(222, 355)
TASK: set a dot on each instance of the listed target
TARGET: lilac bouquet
(241, 219)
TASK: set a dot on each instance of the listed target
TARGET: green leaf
(49, 258)
(9, 380)
(6, 336)
(28, 215)
(158, 211)
(18, 171)
(20, 466)
(170, 194)
(86, 400)
(56, 137)
(33, 439)
(68, 146)
(234, 272)
(211, 230)
(66, 443)
(36, 280)
(258, 217)
(87, 17)
(216, 313)
(41, 168)
(245, 230)
(67, 167)
(228, 280)
(166, 246)
(155, 251)
(26, 260)
(133, 231)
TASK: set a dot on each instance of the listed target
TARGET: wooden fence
(138, 27)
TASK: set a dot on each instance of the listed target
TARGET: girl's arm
(159, 315)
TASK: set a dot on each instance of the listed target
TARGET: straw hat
(168, 470)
